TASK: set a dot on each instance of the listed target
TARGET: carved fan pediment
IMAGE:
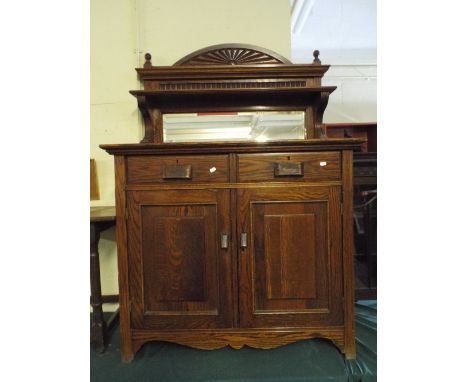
(231, 54)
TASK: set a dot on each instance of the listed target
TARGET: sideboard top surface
(234, 147)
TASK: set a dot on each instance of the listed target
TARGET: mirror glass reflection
(234, 126)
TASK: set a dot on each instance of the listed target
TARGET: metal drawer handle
(243, 240)
(289, 169)
(177, 171)
(224, 240)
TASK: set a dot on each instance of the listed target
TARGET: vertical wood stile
(233, 239)
(121, 237)
(348, 255)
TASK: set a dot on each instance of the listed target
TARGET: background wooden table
(101, 218)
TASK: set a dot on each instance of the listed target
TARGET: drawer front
(178, 169)
(299, 167)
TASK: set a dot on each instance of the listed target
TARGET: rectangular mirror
(234, 126)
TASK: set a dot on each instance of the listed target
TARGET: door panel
(290, 271)
(180, 276)
(288, 274)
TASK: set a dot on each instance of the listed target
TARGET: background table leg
(98, 325)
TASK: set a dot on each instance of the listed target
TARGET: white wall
(345, 33)
(355, 99)
(171, 29)
(113, 111)
(122, 31)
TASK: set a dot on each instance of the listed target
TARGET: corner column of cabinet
(127, 352)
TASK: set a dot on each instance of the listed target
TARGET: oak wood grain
(293, 278)
(232, 54)
(200, 186)
(180, 275)
(348, 254)
(332, 144)
(289, 257)
(262, 273)
(238, 338)
(150, 76)
(316, 166)
(122, 258)
(154, 169)
(280, 303)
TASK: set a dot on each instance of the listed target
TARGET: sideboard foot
(354, 370)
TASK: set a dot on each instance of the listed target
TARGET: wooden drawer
(177, 169)
(299, 167)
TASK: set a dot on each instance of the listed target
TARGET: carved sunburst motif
(234, 57)
(231, 56)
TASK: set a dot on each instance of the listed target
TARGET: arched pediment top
(232, 54)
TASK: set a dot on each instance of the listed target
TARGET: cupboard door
(290, 265)
(180, 274)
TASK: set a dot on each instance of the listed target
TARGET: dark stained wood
(148, 119)
(101, 218)
(233, 176)
(316, 166)
(292, 276)
(122, 257)
(154, 169)
(98, 324)
(238, 338)
(180, 275)
(154, 103)
(231, 75)
(110, 299)
(230, 186)
(365, 294)
(148, 63)
(320, 131)
(348, 254)
(286, 270)
(316, 58)
(296, 301)
(365, 218)
(289, 259)
(235, 147)
(365, 130)
(232, 54)
(287, 91)
(309, 119)
(154, 76)
(365, 178)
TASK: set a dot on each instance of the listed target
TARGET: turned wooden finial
(316, 59)
(148, 63)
